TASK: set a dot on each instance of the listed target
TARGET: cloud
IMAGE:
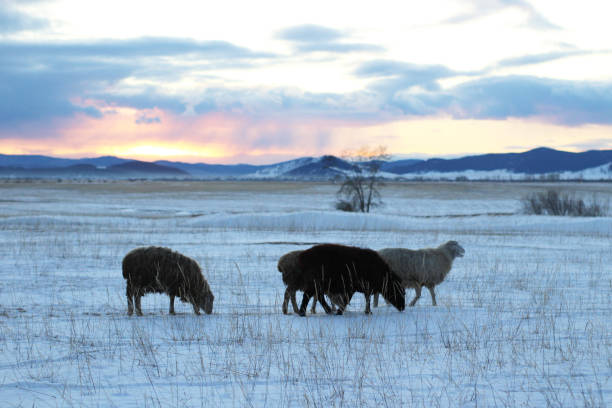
(131, 48)
(541, 58)
(395, 77)
(41, 81)
(557, 101)
(484, 8)
(275, 103)
(314, 38)
(590, 144)
(143, 118)
(411, 74)
(339, 48)
(39, 95)
(561, 102)
(414, 90)
(147, 98)
(13, 21)
(310, 33)
(43, 90)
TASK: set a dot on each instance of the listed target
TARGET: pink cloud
(232, 138)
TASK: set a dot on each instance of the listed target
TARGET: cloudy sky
(259, 82)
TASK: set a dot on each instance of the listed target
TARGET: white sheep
(424, 267)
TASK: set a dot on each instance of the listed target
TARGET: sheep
(339, 271)
(161, 270)
(424, 267)
(292, 278)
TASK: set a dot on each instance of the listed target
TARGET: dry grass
(523, 318)
(434, 190)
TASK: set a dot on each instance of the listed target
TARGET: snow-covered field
(524, 319)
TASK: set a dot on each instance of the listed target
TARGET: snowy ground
(523, 319)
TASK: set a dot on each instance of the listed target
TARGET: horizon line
(394, 157)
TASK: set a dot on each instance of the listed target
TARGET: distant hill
(536, 161)
(33, 161)
(103, 161)
(145, 168)
(212, 170)
(80, 168)
(592, 164)
(399, 166)
(324, 167)
(46, 162)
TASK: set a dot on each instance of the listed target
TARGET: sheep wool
(161, 270)
(424, 267)
(293, 279)
(339, 271)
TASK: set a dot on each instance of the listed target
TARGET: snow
(523, 318)
(280, 169)
(599, 173)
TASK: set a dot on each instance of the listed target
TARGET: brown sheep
(161, 270)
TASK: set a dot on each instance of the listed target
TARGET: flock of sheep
(335, 271)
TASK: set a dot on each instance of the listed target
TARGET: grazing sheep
(424, 267)
(339, 271)
(161, 270)
(292, 278)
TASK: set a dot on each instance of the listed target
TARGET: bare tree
(360, 189)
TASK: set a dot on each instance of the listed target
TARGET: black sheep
(161, 270)
(293, 279)
(339, 271)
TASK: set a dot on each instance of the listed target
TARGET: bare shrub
(360, 189)
(347, 206)
(554, 202)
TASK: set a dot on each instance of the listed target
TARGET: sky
(260, 82)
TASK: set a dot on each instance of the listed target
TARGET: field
(522, 320)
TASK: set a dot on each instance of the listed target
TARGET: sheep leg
(137, 297)
(433, 295)
(341, 308)
(367, 308)
(172, 304)
(321, 298)
(196, 309)
(313, 309)
(343, 302)
(130, 300)
(376, 299)
(333, 302)
(417, 289)
(304, 305)
(288, 295)
(294, 303)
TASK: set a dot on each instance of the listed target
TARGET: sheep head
(455, 249)
(393, 291)
(205, 301)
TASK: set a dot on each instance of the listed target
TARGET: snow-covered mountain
(324, 167)
(541, 163)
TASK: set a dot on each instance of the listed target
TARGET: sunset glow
(446, 78)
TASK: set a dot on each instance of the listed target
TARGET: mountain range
(593, 164)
